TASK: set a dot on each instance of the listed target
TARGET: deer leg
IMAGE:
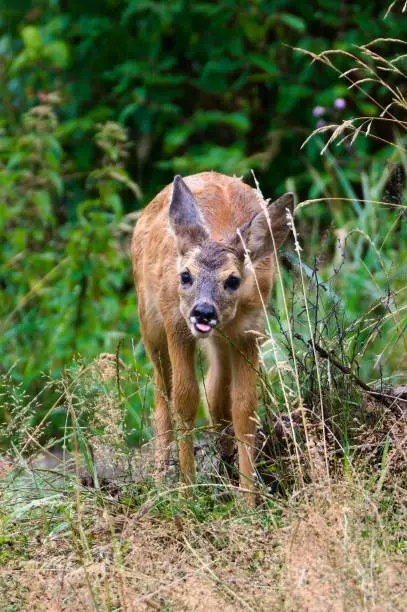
(218, 385)
(244, 407)
(218, 395)
(185, 401)
(156, 346)
(162, 419)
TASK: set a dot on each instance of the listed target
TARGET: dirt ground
(308, 563)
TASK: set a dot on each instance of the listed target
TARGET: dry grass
(116, 542)
(334, 552)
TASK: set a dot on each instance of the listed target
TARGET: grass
(87, 527)
(69, 546)
(92, 530)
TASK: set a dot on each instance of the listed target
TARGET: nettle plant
(60, 277)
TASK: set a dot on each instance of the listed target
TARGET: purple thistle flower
(320, 123)
(318, 111)
(340, 103)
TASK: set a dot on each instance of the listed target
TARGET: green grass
(331, 461)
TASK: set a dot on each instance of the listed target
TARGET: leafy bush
(62, 280)
(199, 85)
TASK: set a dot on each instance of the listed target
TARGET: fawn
(203, 255)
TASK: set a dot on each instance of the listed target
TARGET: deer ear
(256, 236)
(185, 218)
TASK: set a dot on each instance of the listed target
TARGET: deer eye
(232, 282)
(186, 278)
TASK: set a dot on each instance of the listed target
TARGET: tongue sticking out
(203, 327)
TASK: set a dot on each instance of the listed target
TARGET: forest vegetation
(101, 104)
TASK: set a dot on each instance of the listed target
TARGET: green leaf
(32, 37)
(238, 121)
(177, 137)
(293, 22)
(58, 53)
(44, 205)
(262, 62)
(26, 57)
(56, 180)
(114, 202)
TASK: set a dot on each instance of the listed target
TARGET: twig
(215, 578)
(387, 398)
(119, 390)
(343, 368)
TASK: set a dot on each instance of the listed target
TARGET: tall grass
(339, 323)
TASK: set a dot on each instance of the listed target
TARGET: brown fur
(209, 248)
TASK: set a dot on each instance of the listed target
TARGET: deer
(204, 261)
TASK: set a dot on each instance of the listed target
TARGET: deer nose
(204, 313)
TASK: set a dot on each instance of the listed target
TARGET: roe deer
(195, 282)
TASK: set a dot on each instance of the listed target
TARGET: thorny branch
(387, 396)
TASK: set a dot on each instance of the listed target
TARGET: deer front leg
(185, 400)
(162, 421)
(155, 343)
(218, 385)
(244, 407)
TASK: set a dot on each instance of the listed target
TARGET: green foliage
(192, 86)
(199, 85)
(61, 278)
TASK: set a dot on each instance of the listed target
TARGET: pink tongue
(203, 327)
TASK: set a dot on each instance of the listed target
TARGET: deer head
(213, 275)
